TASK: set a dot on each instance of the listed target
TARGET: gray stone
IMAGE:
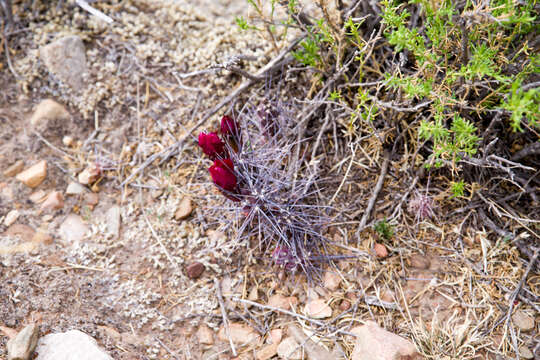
(113, 221)
(22, 345)
(66, 59)
(74, 188)
(70, 345)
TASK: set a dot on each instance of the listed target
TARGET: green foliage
(523, 104)
(457, 189)
(480, 65)
(243, 24)
(413, 87)
(309, 54)
(384, 229)
(450, 143)
(334, 95)
(453, 49)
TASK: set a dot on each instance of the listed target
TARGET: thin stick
(167, 348)
(283, 311)
(344, 177)
(52, 146)
(83, 4)
(376, 191)
(224, 314)
(8, 58)
(513, 298)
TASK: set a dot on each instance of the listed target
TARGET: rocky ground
(109, 246)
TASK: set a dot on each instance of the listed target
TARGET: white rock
(22, 345)
(375, 343)
(11, 217)
(289, 349)
(89, 175)
(48, 110)
(66, 59)
(73, 229)
(34, 175)
(331, 280)
(318, 309)
(67, 140)
(38, 196)
(70, 345)
(54, 201)
(74, 188)
(113, 221)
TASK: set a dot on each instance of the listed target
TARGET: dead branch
(376, 190)
(224, 314)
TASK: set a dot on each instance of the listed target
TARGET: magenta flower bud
(229, 127)
(222, 173)
(211, 145)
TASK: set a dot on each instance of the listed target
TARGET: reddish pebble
(380, 250)
(195, 270)
(345, 305)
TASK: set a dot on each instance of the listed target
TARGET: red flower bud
(229, 127)
(211, 145)
(222, 173)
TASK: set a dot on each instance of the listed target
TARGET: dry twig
(224, 314)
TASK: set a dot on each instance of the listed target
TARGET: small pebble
(205, 335)
(90, 174)
(34, 175)
(67, 140)
(54, 201)
(48, 110)
(74, 188)
(331, 280)
(344, 305)
(525, 353)
(380, 250)
(11, 217)
(318, 309)
(38, 196)
(184, 209)
(195, 270)
(289, 349)
(91, 199)
(419, 261)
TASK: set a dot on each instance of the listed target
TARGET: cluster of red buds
(222, 171)
(251, 156)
